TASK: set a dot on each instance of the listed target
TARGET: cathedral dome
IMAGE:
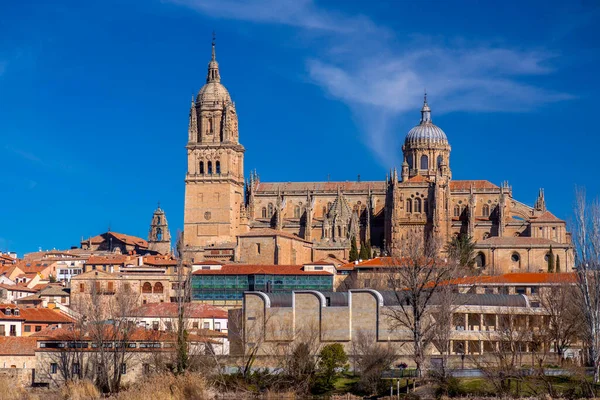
(213, 92)
(426, 132)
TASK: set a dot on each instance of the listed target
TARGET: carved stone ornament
(207, 215)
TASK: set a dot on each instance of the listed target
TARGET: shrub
(79, 390)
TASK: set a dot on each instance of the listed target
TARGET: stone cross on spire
(213, 66)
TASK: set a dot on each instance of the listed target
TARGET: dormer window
(8, 311)
(17, 312)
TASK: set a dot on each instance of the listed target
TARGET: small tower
(159, 237)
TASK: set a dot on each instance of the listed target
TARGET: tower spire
(213, 65)
(425, 111)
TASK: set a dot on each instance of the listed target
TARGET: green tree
(52, 278)
(550, 260)
(557, 264)
(462, 249)
(353, 256)
(364, 251)
(333, 361)
(369, 251)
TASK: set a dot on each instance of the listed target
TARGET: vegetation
(353, 255)
(333, 362)
(550, 260)
(462, 249)
(364, 252)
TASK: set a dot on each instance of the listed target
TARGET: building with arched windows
(222, 207)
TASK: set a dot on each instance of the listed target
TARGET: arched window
(480, 260)
(147, 287)
(424, 162)
(270, 210)
(408, 205)
(264, 212)
(210, 167)
(439, 161)
(158, 234)
(417, 205)
(210, 126)
(297, 212)
(409, 160)
(457, 210)
(218, 167)
(202, 167)
(158, 287)
(486, 210)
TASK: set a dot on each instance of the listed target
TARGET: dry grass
(168, 387)
(79, 390)
(11, 391)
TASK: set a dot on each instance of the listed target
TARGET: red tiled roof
(169, 310)
(518, 241)
(208, 262)
(271, 232)
(518, 278)
(18, 288)
(6, 259)
(159, 260)
(418, 179)
(17, 346)
(127, 239)
(108, 260)
(476, 184)
(46, 315)
(547, 217)
(320, 186)
(250, 269)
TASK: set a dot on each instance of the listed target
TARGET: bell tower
(214, 183)
(159, 237)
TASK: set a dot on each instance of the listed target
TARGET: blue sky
(94, 99)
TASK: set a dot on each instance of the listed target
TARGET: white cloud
(365, 68)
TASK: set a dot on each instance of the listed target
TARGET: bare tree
(586, 235)
(415, 277)
(371, 359)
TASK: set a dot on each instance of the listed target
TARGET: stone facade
(422, 200)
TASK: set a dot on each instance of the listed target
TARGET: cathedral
(230, 218)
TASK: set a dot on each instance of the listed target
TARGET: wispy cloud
(24, 154)
(382, 82)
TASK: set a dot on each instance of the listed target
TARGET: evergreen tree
(364, 252)
(353, 256)
(462, 249)
(369, 251)
(550, 260)
(557, 264)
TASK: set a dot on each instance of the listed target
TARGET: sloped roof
(418, 179)
(170, 310)
(476, 184)
(127, 239)
(45, 315)
(253, 269)
(159, 260)
(17, 346)
(362, 186)
(547, 217)
(116, 259)
(518, 278)
(18, 288)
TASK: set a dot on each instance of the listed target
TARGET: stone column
(480, 322)
(466, 321)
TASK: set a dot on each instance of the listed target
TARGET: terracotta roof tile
(547, 217)
(45, 315)
(476, 184)
(251, 269)
(17, 346)
(159, 260)
(127, 239)
(418, 179)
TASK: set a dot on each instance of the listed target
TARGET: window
(53, 368)
(13, 330)
(480, 260)
(123, 369)
(158, 287)
(206, 325)
(111, 287)
(515, 257)
(82, 287)
(318, 268)
(486, 210)
(408, 205)
(147, 287)
(195, 325)
(457, 210)
(210, 167)
(63, 300)
(440, 159)
(27, 328)
(38, 328)
(264, 212)
(218, 167)
(98, 287)
(424, 162)
(417, 205)
(218, 326)
(257, 248)
(155, 325)
(202, 167)
(159, 234)
(409, 161)
(297, 212)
